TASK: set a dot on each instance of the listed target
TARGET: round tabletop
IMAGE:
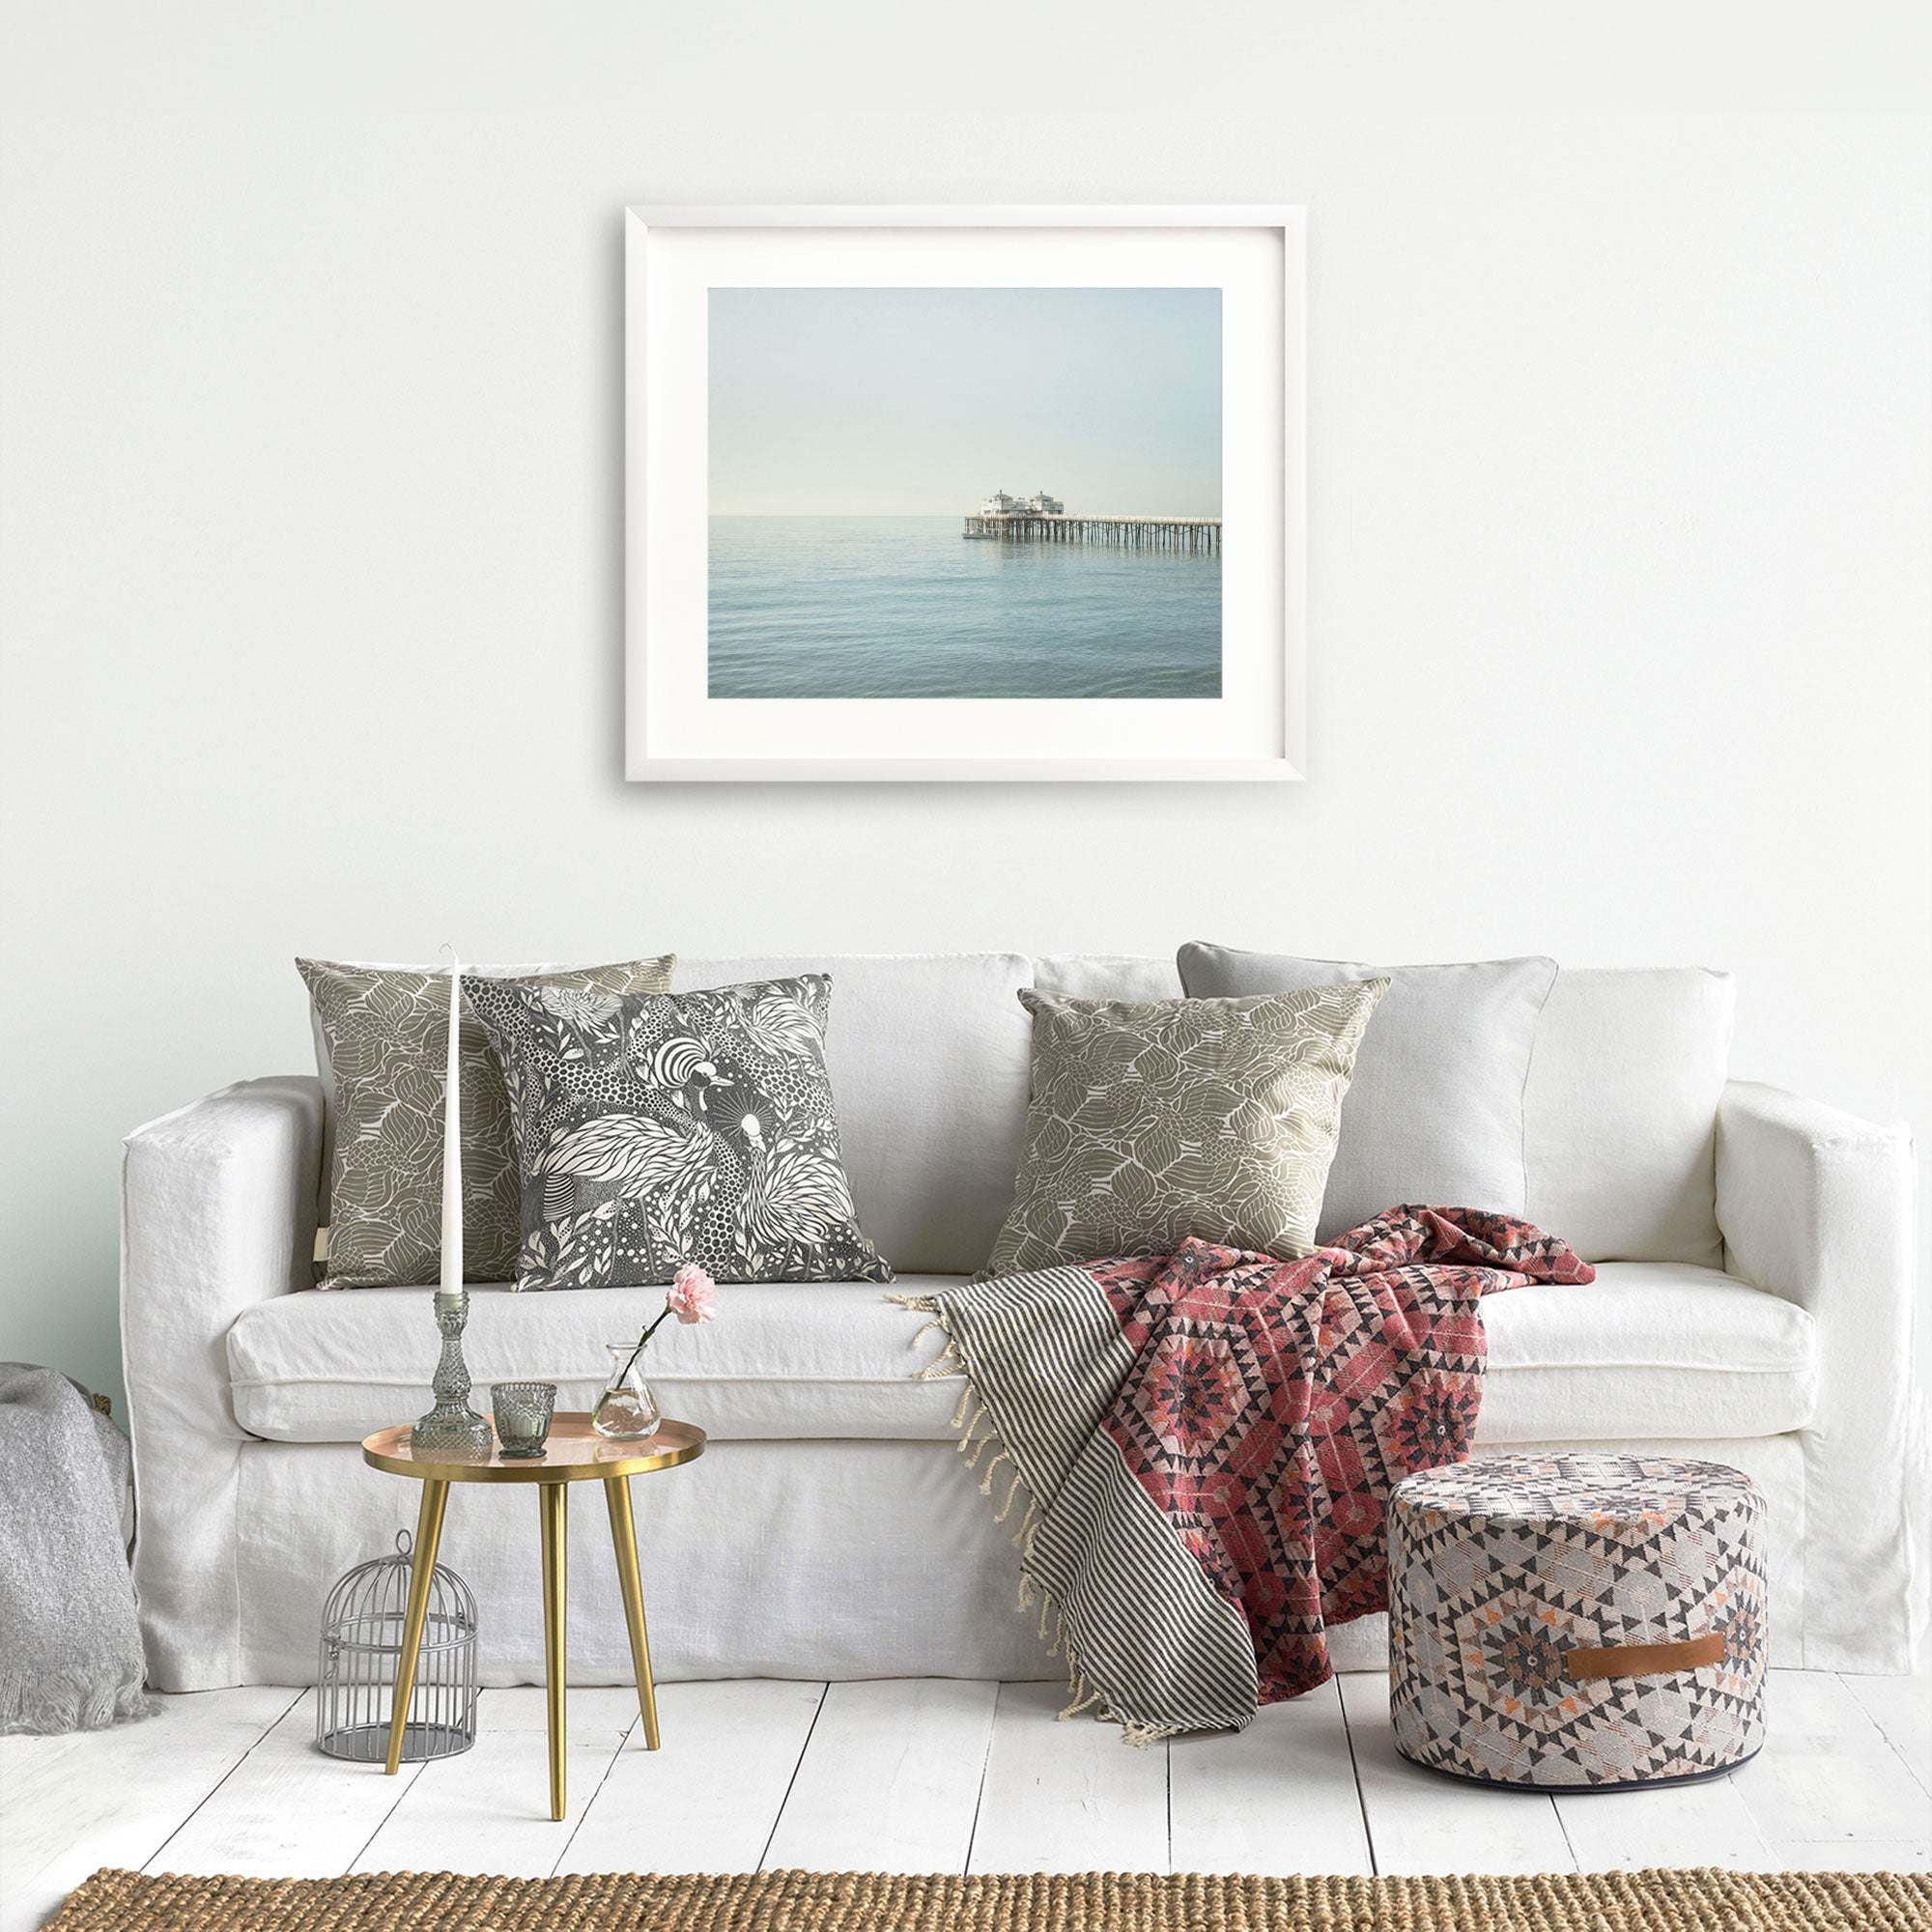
(575, 1453)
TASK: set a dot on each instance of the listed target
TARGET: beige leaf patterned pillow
(1149, 1122)
(385, 1034)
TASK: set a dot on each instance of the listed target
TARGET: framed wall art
(964, 493)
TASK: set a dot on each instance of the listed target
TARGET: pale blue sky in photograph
(918, 402)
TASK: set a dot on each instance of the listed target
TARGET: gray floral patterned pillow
(689, 1128)
(1151, 1121)
(386, 1032)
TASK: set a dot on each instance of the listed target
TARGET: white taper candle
(452, 1143)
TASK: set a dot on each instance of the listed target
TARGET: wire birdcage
(362, 1645)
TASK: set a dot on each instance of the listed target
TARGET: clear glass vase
(626, 1410)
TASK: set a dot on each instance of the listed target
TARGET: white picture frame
(675, 732)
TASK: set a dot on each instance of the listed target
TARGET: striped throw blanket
(1202, 1444)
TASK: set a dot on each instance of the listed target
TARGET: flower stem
(650, 1329)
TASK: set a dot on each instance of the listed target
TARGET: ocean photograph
(863, 543)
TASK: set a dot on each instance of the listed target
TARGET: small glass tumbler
(523, 1412)
(626, 1410)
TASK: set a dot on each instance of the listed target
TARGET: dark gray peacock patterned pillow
(653, 1131)
(386, 1032)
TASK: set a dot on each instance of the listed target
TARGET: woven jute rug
(787, 1901)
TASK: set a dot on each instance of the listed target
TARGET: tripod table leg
(554, 1501)
(422, 1569)
(624, 1538)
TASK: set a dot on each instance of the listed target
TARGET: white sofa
(1753, 1305)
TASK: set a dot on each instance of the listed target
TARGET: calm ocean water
(905, 606)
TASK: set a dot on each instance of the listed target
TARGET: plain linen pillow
(1622, 1112)
(1151, 1121)
(1435, 1113)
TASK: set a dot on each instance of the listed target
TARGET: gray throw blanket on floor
(69, 1645)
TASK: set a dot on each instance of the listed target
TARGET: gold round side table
(575, 1453)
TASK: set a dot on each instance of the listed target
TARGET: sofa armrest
(217, 1212)
(1818, 1206)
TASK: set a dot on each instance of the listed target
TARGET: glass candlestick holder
(452, 1430)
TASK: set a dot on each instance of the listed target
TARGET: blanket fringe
(947, 1363)
(1005, 1510)
(1083, 1696)
(979, 1432)
(70, 1702)
(943, 1366)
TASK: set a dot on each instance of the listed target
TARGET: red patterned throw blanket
(1205, 1443)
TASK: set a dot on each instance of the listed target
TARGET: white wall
(1619, 480)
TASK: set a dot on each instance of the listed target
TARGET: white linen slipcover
(1649, 1348)
(1817, 1207)
(760, 1559)
(218, 1212)
(887, 1562)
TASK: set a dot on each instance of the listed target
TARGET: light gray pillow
(1154, 1121)
(1434, 1114)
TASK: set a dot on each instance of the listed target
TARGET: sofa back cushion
(1107, 976)
(927, 1056)
(1621, 1111)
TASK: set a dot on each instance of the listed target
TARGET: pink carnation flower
(693, 1295)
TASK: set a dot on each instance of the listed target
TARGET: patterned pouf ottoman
(1588, 1622)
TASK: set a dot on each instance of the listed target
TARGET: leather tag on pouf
(1644, 1660)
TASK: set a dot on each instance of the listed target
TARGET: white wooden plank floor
(927, 1775)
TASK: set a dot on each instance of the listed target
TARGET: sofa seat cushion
(782, 1359)
(1650, 1350)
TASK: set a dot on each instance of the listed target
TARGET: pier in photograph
(1043, 518)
